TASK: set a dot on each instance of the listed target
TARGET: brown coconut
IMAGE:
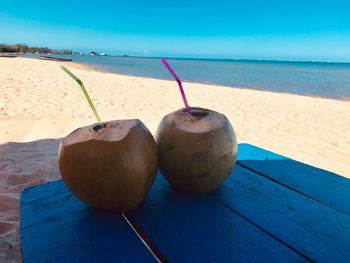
(196, 150)
(112, 167)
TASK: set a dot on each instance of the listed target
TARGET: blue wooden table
(271, 209)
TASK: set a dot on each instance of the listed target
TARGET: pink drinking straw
(178, 82)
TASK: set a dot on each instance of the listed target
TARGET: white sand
(38, 100)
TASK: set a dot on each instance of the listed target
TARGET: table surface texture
(270, 209)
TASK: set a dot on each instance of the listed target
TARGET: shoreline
(218, 59)
(95, 68)
(90, 67)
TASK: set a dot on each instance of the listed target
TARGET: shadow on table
(318, 184)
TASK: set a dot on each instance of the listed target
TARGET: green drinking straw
(85, 93)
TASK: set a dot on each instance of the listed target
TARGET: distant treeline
(22, 48)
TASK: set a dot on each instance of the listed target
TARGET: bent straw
(178, 82)
(85, 93)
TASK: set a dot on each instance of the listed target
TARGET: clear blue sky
(253, 29)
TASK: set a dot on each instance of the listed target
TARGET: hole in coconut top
(99, 127)
(199, 113)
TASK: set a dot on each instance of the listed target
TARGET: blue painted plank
(45, 202)
(57, 227)
(197, 228)
(326, 187)
(56, 195)
(313, 229)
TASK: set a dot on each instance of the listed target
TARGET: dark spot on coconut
(202, 140)
(170, 147)
(223, 157)
(199, 157)
(203, 175)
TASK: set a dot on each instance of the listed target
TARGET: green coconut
(197, 151)
(111, 166)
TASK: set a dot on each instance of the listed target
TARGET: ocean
(322, 79)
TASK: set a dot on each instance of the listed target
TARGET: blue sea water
(307, 78)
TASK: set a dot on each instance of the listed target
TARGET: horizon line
(239, 59)
(233, 59)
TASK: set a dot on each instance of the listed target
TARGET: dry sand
(40, 102)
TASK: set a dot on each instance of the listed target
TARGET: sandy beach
(39, 104)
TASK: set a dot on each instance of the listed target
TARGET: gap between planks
(145, 240)
(265, 231)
